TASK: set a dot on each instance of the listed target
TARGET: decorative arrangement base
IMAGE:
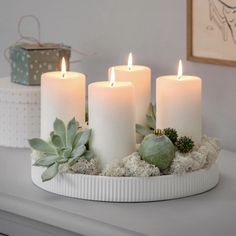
(129, 189)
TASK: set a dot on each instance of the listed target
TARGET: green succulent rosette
(67, 144)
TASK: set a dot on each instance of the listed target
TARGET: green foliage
(42, 146)
(60, 130)
(46, 161)
(88, 155)
(184, 144)
(143, 130)
(50, 172)
(171, 134)
(151, 122)
(57, 141)
(66, 145)
(71, 132)
(78, 151)
(82, 138)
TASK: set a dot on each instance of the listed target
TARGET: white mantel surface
(212, 213)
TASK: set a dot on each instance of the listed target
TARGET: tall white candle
(178, 100)
(112, 120)
(140, 77)
(63, 97)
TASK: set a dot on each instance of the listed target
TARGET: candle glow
(63, 68)
(180, 70)
(113, 77)
(130, 61)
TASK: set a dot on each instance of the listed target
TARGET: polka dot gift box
(29, 61)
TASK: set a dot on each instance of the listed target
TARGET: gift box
(29, 61)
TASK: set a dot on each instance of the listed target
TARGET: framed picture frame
(211, 31)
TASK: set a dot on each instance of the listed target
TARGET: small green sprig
(151, 122)
(66, 145)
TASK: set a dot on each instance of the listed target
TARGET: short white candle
(178, 100)
(63, 97)
(112, 119)
(140, 77)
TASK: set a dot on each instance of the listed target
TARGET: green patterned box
(29, 61)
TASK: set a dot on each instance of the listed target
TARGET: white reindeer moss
(86, 167)
(203, 157)
(83, 166)
(131, 166)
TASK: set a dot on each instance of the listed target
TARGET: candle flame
(130, 61)
(180, 70)
(63, 68)
(113, 77)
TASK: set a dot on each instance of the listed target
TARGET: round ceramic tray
(129, 189)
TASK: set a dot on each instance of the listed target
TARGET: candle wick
(63, 75)
(179, 77)
(112, 84)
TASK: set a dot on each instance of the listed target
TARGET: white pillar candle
(112, 120)
(140, 77)
(63, 97)
(178, 100)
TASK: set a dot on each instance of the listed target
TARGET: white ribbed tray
(128, 189)
(20, 113)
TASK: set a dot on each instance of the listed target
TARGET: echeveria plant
(66, 145)
(151, 122)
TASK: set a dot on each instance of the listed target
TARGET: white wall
(154, 30)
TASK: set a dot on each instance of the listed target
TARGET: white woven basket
(20, 113)
(128, 189)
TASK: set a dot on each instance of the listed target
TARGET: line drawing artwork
(223, 14)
